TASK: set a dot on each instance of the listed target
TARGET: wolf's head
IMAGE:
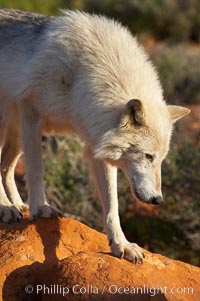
(139, 145)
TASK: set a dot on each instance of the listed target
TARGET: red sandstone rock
(65, 255)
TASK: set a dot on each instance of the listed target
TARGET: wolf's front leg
(106, 179)
(31, 141)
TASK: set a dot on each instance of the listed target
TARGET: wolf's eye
(149, 157)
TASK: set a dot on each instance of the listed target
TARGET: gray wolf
(86, 75)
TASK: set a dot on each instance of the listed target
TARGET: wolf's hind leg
(31, 140)
(106, 180)
(8, 212)
(10, 155)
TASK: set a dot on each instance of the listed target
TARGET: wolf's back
(16, 24)
(15, 16)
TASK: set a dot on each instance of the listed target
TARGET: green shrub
(178, 20)
(65, 174)
(179, 72)
(45, 6)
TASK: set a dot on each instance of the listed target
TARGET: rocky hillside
(62, 259)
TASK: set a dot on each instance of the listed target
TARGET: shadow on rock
(21, 284)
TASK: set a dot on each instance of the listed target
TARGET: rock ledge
(62, 259)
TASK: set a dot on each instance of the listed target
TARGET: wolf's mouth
(135, 192)
(138, 196)
(154, 200)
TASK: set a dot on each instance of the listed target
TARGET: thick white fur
(77, 77)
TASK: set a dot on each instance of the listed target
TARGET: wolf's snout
(156, 200)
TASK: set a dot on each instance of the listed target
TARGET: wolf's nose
(156, 200)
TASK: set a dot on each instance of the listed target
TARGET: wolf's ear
(177, 112)
(134, 112)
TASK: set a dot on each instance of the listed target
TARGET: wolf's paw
(129, 251)
(22, 208)
(9, 214)
(45, 211)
